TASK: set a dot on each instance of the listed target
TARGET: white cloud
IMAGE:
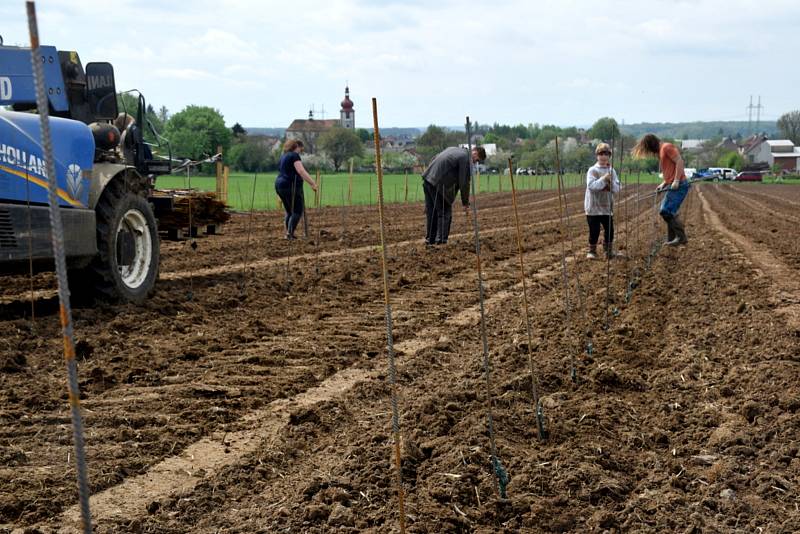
(565, 62)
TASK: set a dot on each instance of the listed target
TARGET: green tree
(579, 159)
(163, 114)
(129, 103)
(196, 131)
(397, 161)
(250, 156)
(430, 143)
(731, 159)
(340, 144)
(364, 135)
(238, 130)
(605, 129)
(789, 126)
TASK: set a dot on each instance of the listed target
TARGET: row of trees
(196, 132)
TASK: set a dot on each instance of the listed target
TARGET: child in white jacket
(601, 184)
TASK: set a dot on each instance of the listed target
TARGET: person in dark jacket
(289, 184)
(448, 173)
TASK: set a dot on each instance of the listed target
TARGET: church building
(308, 130)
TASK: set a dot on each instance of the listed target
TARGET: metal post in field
(534, 379)
(59, 255)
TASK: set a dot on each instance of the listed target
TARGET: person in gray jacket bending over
(447, 174)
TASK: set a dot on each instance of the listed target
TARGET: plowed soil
(251, 392)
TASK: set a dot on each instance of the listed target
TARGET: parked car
(703, 175)
(725, 173)
(749, 176)
(689, 172)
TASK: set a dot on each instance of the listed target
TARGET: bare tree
(789, 126)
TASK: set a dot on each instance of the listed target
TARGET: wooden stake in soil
(389, 333)
(218, 169)
(501, 476)
(534, 379)
(225, 177)
(350, 184)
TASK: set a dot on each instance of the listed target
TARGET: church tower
(347, 114)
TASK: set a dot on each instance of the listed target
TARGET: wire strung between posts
(534, 378)
(389, 333)
(318, 202)
(564, 275)
(289, 234)
(609, 244)
(501, 476)
(249, 231)
(30, 245)
(57, 237)
(587, 332)
(623, 178)
(192, 244)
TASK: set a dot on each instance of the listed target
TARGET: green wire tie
(502, 476)
(540, 421)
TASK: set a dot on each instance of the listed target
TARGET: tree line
(196, 131)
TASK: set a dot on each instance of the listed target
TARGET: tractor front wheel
(126, 266)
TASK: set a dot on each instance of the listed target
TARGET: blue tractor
(104, 173)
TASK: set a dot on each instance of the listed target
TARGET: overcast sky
(264, 63)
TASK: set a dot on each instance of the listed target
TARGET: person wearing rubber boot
(674, 183)
(598, 203)
(448, 173)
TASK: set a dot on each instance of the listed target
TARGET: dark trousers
(595, 222)
(438, 214)
(292, 199)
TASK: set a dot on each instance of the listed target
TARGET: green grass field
(258, 191)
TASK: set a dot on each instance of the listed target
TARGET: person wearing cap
(598, 203)
(448, 173)
(674, 183)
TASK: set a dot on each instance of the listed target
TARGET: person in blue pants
(674, 183)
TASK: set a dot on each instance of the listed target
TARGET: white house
(780, 152)
(692, 144)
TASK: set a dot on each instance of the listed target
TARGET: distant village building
(728, 145)
(347, 115)
(309, 130)
(781, 152)
(692, 144)
(268, 142)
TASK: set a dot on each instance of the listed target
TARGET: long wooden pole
(389, 333)
(350, 184)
